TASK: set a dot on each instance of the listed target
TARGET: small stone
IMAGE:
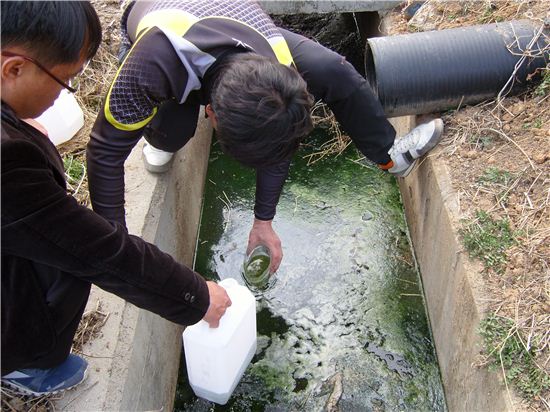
(367, 216)
(322, 205)
(518, 108)
(540, 158)
(506, 127)
(518, 260)
(425, 17)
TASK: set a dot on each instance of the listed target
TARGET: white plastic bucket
(216, 358)
(64, 119)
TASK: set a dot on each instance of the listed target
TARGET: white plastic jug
(63, 119)
(217, 357)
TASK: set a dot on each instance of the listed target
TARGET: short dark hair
(262, 109)
(53, 31)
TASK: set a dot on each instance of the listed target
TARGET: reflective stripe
(108, 115)
(179, 22)
(174, 20)
(281, 50)
(16, 375)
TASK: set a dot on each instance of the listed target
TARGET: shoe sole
(407, 170)
(156, 168)
(434, 140)
(19, 390)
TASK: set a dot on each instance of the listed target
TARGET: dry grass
(89, 328)
(94, 83)
(324, 118)
(450, 14)
(478, 144)
(96, 79)
(13, 402)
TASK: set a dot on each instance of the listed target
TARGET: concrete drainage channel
(134, 364)
(344, 324)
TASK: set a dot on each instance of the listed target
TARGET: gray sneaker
(419, 141)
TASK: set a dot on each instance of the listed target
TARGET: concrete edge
(326, 6)
(134, 363)
(452, 287)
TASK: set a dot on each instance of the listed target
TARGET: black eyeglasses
(62, 83)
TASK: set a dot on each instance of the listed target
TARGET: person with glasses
(53, 249)
(256, 82)
(66, 85)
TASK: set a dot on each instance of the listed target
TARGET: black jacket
(53, 249)
(163, 66)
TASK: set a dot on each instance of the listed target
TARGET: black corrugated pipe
(438, 70)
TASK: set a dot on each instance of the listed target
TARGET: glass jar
(256, 268)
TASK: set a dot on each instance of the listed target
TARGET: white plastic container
(217, 357)
(64, 119)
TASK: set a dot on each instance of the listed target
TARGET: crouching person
(53, 249)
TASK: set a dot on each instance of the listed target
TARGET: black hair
(54, 32)
(262, 109)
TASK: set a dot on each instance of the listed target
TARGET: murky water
(344, 326)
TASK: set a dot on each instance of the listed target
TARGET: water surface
(344, 326)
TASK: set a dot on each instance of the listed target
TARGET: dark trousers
(173, 125)
(78, 297)
(40, 320)
(329, 77)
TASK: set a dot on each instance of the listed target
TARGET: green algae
(347, 301)
(257, 267)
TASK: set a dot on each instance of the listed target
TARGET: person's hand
(219, 302)
(263, 234)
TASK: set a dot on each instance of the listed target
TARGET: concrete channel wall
(451, 283)
(326, 6)
(452, 290)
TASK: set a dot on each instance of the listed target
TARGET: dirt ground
(498, 155)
